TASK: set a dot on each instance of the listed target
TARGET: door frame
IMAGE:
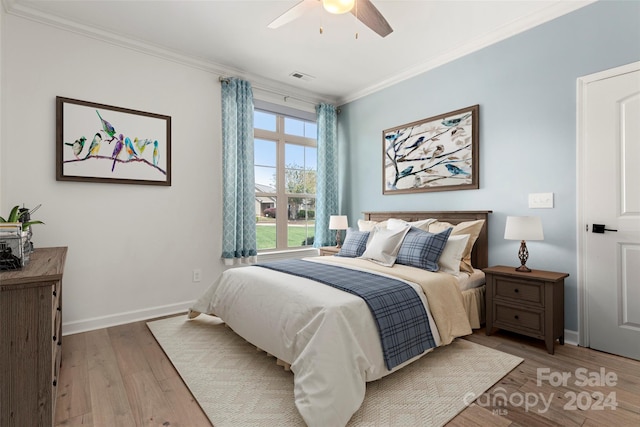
(581, 168)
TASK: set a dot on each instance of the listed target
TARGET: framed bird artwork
(103, 143)
(435, 154)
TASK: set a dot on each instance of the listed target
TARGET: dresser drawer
(519, 291)
(517, 319)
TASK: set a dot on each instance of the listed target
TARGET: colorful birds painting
(77, 146)
(141, 144)
(107, 127)
(94, 147)
(156, 153)
(131, 151)
(116, 151)
(128, 148)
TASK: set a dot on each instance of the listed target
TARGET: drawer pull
(54, 338)
(55, 383)
(516, 317)
(516, 290)
(55, 293)
(59, 309)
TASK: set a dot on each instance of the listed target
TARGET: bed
(332, 339)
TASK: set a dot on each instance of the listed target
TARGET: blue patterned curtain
(239, 212)
(327, 179)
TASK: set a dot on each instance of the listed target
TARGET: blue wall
(526, 88)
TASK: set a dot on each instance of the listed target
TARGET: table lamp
(523, 228)
(338, 222)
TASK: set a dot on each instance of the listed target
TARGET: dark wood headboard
(480, 252)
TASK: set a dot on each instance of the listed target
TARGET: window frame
(281, 139)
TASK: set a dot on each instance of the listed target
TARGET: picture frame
(439, 153)
(102, 143)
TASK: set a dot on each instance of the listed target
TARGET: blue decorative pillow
(422, 249)
(354, 243)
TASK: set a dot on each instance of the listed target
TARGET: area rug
(236, 385)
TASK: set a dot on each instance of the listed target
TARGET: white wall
(132, 248)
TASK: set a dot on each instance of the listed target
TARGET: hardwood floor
(120, 376)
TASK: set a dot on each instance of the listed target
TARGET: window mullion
(282, 217)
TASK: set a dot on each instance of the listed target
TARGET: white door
(609, 126)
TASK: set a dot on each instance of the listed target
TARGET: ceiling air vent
(301, 76)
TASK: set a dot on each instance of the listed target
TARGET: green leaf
(26, 225)
(13, 216)
(2, 219)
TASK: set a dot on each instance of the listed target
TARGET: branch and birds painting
(429, 153)
(124, 148)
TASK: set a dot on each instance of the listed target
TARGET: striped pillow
(422, 249)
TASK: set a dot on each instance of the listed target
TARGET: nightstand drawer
(529, 322)
(519, 290)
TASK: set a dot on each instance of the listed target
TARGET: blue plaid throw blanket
(396, 307)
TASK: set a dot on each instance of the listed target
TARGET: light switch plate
(540, 200)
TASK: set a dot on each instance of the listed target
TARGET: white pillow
(364, 225)
(449, 261)
(395, 223)
(384, 244)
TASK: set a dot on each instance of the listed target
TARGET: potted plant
(15, 238)
(21, 215)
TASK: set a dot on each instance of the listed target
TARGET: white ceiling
(232, 38)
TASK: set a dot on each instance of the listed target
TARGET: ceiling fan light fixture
(338, 7)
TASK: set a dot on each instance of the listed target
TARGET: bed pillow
(395, 223)
(364, 225)
(449, 261)
(383, 245)
(354, 244)
(422, 249)
(472, 228)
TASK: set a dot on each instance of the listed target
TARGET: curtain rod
(284, 96)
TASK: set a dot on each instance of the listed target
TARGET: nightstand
(328, 250)
(527, 303)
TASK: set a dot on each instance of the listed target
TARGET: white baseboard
(571, 337)
(122, 318)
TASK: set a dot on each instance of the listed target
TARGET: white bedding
(328, 336)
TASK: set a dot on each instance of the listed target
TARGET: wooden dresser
(31, 339)
(527, 303)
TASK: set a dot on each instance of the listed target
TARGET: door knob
(599, 228)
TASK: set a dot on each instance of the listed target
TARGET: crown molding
(279, 92)
(275, 91)
(515, 27)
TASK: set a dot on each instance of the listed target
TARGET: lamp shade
(338, 222)
(338, 7)
(523, 228)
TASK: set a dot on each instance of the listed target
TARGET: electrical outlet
(197, 275)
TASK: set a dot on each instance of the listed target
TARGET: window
(285, 165)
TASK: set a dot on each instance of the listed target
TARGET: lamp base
(523, 255)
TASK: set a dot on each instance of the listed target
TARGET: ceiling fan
(363, 10)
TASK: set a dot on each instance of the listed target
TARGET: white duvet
(328, 336)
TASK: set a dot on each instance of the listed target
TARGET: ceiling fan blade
(294, 13)
(370, 16)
